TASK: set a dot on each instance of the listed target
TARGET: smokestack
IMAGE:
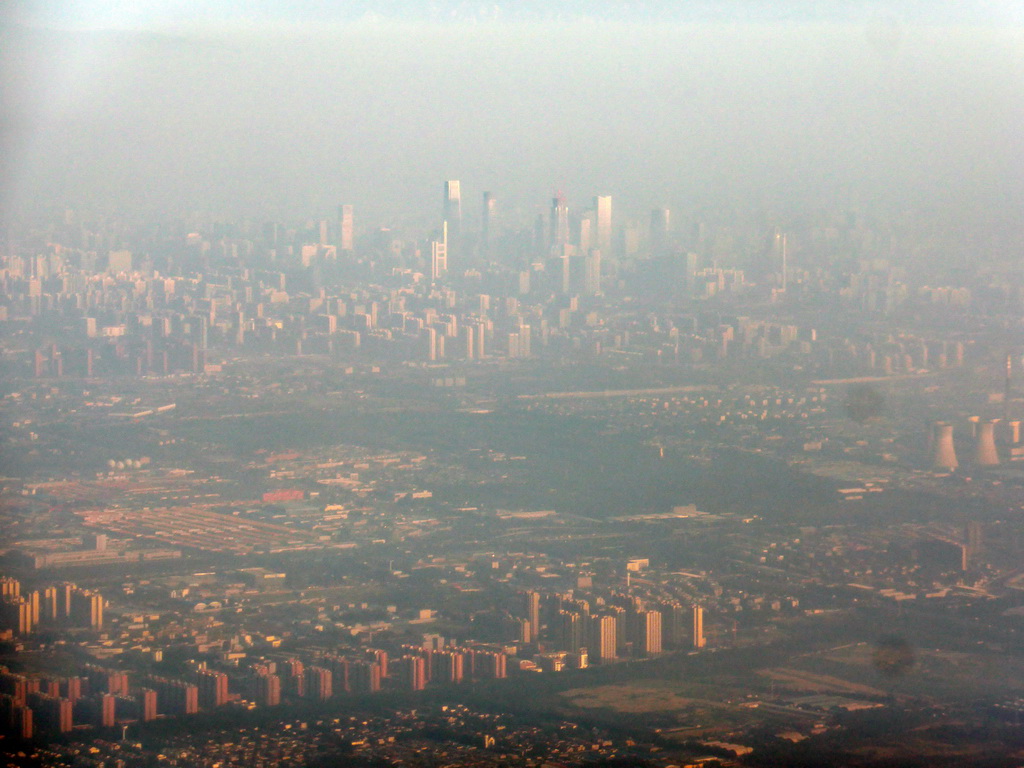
(1014, 432)
(985, 454)
(943, 453)
(974, 426)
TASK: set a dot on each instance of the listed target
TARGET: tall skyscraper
(268, 690)
(107, 715)
(531, 611)
(648, 633)
(775, 265)
(147, 699)
(453, 208)
(603, 206)
(452, 211)
(586, 232)
(779, 256)
(487, 222)
(345, 227)
(439, 254)
(698, 627)
(602, 642)
(571, 634)
(559, 226)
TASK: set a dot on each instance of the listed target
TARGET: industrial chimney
(943, 453)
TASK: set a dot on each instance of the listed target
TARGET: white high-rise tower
(345, 227)
(439, 254)
(452, 204)
(603, 206)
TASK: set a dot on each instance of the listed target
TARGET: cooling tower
(943, 453)
(985, 454)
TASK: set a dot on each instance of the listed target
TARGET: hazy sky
(290, 109)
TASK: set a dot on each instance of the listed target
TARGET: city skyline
(504, 384)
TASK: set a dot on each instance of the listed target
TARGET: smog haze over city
(511, 384)
(145, 110)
